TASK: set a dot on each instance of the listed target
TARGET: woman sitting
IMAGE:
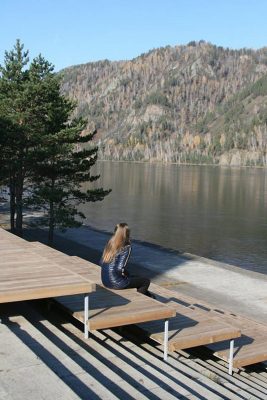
(114, 261)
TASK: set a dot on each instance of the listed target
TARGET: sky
(70, 32)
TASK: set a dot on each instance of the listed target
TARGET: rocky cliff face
(197, 104)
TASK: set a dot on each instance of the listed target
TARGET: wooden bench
(190, 328)
(249, 348)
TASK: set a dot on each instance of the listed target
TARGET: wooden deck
(192, 328)
(188, 328)
(250, 348)
(34, 270)
(108, 308)
(27, 275)
(111, 308)
(196, 323)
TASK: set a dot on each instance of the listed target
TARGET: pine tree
(61, 169)
(13, 82)
(39, 143)
(24, 101)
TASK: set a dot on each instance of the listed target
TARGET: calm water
(219, 213)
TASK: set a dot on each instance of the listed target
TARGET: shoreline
(4, 222)
(185, 255)
(185, 164)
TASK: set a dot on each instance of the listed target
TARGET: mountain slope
(176, 104)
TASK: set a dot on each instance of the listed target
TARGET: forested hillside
(197, 103)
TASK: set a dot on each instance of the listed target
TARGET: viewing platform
(196, 322)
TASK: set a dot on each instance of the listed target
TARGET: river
(216, 212)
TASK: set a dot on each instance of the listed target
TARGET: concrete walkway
(43, 356)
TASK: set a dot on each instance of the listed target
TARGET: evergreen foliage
(14, 143)
(44, 160)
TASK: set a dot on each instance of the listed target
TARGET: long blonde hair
(119, 239)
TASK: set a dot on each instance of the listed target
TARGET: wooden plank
(247, 351)
(14, 267)
(78, 265)
(25, 256)
(19, 244)
(12, 250)
(246, 355)
(186, 332)
(132, 318)
(53, 276)
(43, 292)
(27, 275)
(32, 284)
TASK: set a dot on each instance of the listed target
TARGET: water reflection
(215, 212)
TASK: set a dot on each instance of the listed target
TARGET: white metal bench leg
(86, 315)
(231, 356)
(166, 338)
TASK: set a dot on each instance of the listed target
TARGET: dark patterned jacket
(114, 274)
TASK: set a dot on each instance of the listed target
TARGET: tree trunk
(12, 205)
(19, 201)
(51, 224)
(19, 211)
